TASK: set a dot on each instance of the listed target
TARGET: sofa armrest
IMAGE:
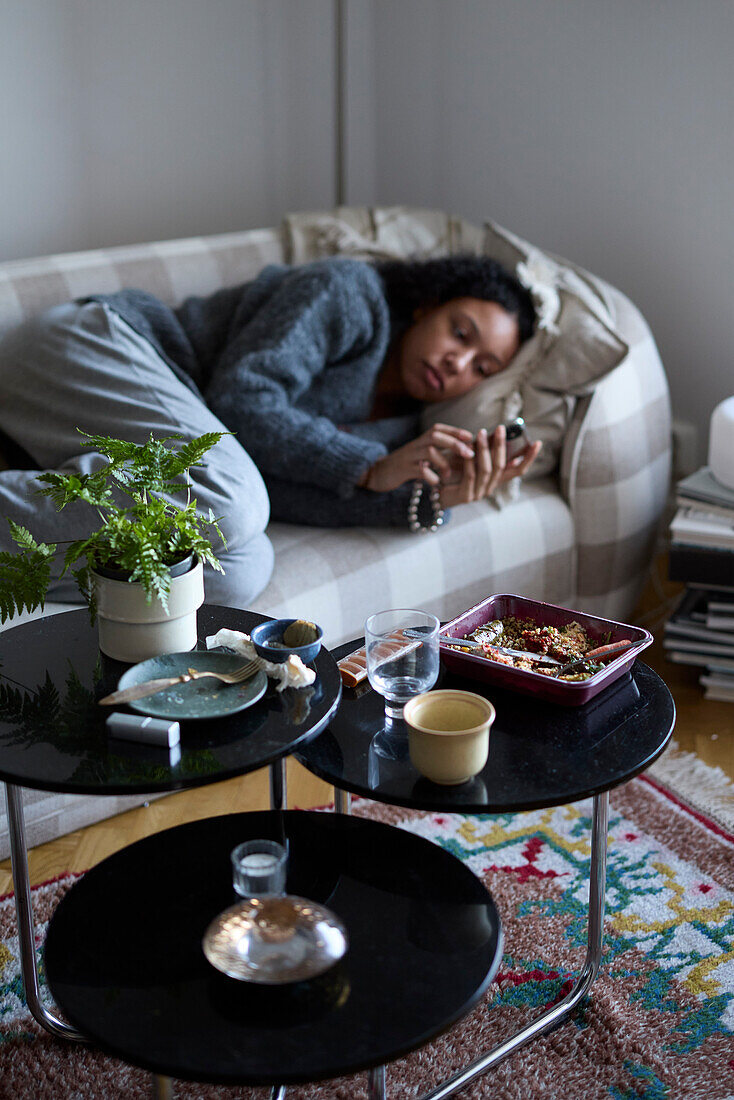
(615, 472)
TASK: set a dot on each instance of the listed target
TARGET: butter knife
(139, 691)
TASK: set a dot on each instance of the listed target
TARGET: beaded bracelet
(414, 523)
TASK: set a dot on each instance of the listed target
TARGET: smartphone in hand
(517, 437)
(517, 440)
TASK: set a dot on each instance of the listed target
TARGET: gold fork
(150, 687)
(243, 673)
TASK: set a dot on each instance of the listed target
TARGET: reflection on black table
(125, 962)
(540, 754)
(53, 734)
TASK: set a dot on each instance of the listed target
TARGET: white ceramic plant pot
(130, 629)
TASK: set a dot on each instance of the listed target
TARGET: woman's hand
(430, 457)
(479, 476)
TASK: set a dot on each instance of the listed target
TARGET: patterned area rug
(660, 1020)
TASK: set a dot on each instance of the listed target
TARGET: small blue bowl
(267, 639)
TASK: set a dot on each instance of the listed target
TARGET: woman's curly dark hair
(415, 284)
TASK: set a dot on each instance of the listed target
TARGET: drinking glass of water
(402, 656)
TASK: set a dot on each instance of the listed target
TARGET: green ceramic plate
(206, 698)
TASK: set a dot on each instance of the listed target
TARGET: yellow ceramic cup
(448, 734)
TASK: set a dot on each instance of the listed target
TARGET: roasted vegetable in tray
(574, 654)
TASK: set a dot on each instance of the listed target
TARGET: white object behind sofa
(721, 443)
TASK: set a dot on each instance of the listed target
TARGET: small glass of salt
(259, 868)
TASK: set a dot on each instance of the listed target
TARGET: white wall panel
(600, 129)
(154, 119)
(359, 105)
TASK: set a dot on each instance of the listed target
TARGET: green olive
(301, 632)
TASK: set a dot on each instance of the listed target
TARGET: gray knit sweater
(289, 362)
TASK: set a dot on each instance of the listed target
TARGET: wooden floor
(703, 726)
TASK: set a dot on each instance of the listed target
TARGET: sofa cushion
(377, 233)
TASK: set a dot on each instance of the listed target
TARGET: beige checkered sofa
(582, 536)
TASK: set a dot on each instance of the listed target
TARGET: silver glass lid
(273, 940)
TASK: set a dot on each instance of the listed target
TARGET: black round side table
(540, 754)
(53, 737)
(124, 958)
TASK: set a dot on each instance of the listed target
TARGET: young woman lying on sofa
(319, 370)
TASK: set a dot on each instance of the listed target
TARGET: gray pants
(82, 366)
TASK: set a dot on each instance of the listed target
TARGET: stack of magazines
(701, 629)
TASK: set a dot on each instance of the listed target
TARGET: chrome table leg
(342, 801)
(278, 785)
(277, 1092)
(557, 1012)
(376, 1085)
(26, 928)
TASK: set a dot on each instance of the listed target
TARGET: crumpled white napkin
(291, 673)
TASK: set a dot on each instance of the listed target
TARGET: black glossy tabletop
(540, 754)
(124, 959)
(53, 734)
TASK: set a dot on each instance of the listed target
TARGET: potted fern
(141, 570)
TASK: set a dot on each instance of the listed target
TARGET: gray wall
(600, 129)
(132, 120)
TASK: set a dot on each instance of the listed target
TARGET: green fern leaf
(24, 581)
(192, 453)
(139, 536)
(25, 540)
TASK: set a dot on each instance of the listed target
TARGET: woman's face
(450, 348)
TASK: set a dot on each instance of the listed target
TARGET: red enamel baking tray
(572, 693)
